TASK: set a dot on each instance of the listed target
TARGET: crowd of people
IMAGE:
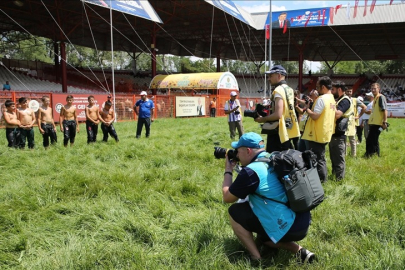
(327, 117)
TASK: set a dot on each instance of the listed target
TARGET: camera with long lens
(220, 153)
(260, 110)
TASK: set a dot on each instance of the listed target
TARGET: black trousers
(274, 144)
(359, 132)
(213, 112)
(141, 122)
(92, 130)
(69, 131)
(13, 137)
(109, 130)
(49, 133)
(372, 144)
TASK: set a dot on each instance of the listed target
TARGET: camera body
(221, 153)
(260, 110)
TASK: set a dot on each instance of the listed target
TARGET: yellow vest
(321, 130)
(351, 127)
(288, 114)
(376, 116)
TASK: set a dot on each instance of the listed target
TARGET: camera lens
(221, 153)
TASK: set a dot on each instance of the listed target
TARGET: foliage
(367, 67)
(156, 204)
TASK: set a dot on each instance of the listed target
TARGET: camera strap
(290, 107)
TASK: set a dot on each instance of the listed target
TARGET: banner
(299, 18)
(229, 7)
(80, 101)
(396, 109)
(139, 8)
(190, 106)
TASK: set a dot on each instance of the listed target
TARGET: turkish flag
(267, 31)
(372, 6)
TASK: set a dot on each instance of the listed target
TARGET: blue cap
(277, 69)
(251, 140)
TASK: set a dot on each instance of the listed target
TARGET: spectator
(213, 107)
(7, 86)
(144, 108)
(232, 109)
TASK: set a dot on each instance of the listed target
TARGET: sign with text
(79, 101)
(190, 106)
(396, 109)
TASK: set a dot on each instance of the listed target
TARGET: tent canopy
(196, 81)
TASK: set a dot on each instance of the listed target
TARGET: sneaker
(305, 256)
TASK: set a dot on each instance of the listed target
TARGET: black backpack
(297, 172)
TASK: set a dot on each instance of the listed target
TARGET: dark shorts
(242, 214)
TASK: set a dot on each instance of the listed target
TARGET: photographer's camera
(221, 153)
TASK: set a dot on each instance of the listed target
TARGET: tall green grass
(156, 204)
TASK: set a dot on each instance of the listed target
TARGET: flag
(372, 6)
(323, 16)
(391, 2)
(348, 11)
(267, 31)
(365, 8)
(331, 14)
(337, 7)
(356, 3)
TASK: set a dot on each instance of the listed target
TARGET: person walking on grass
(107, 118)
(144, 109)
(92, 120)
(46, 125)
(68, 122)
(275, 224)
(354, 120)
(27, 119)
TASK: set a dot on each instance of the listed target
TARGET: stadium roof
(195, 27)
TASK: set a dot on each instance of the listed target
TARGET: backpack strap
(267, 161)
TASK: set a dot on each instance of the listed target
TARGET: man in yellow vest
(321, 123)
(354, 120)
(283, 111)
(337, 144)
(377, 121)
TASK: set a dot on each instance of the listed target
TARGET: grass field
(156, 204)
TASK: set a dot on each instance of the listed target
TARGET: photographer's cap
(234, 94)
(277, 69)
(369, 94)
(250, 139)
(143, 93)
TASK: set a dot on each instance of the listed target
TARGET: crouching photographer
(265, 213)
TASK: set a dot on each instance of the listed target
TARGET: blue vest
(276, 218)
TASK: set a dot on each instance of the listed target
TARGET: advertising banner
(190, 106)
(229, 7)
(396, 109)
(299, 18)
(139, 8)
(79, 101)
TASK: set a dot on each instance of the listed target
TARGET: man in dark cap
(282, 112)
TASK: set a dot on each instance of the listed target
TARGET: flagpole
(270, 37)
(112, 59)
(265, 57)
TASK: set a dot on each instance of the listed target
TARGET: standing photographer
(283, 103)
(377, 121)
(319, 127)
(232, 109)
(276, 225)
